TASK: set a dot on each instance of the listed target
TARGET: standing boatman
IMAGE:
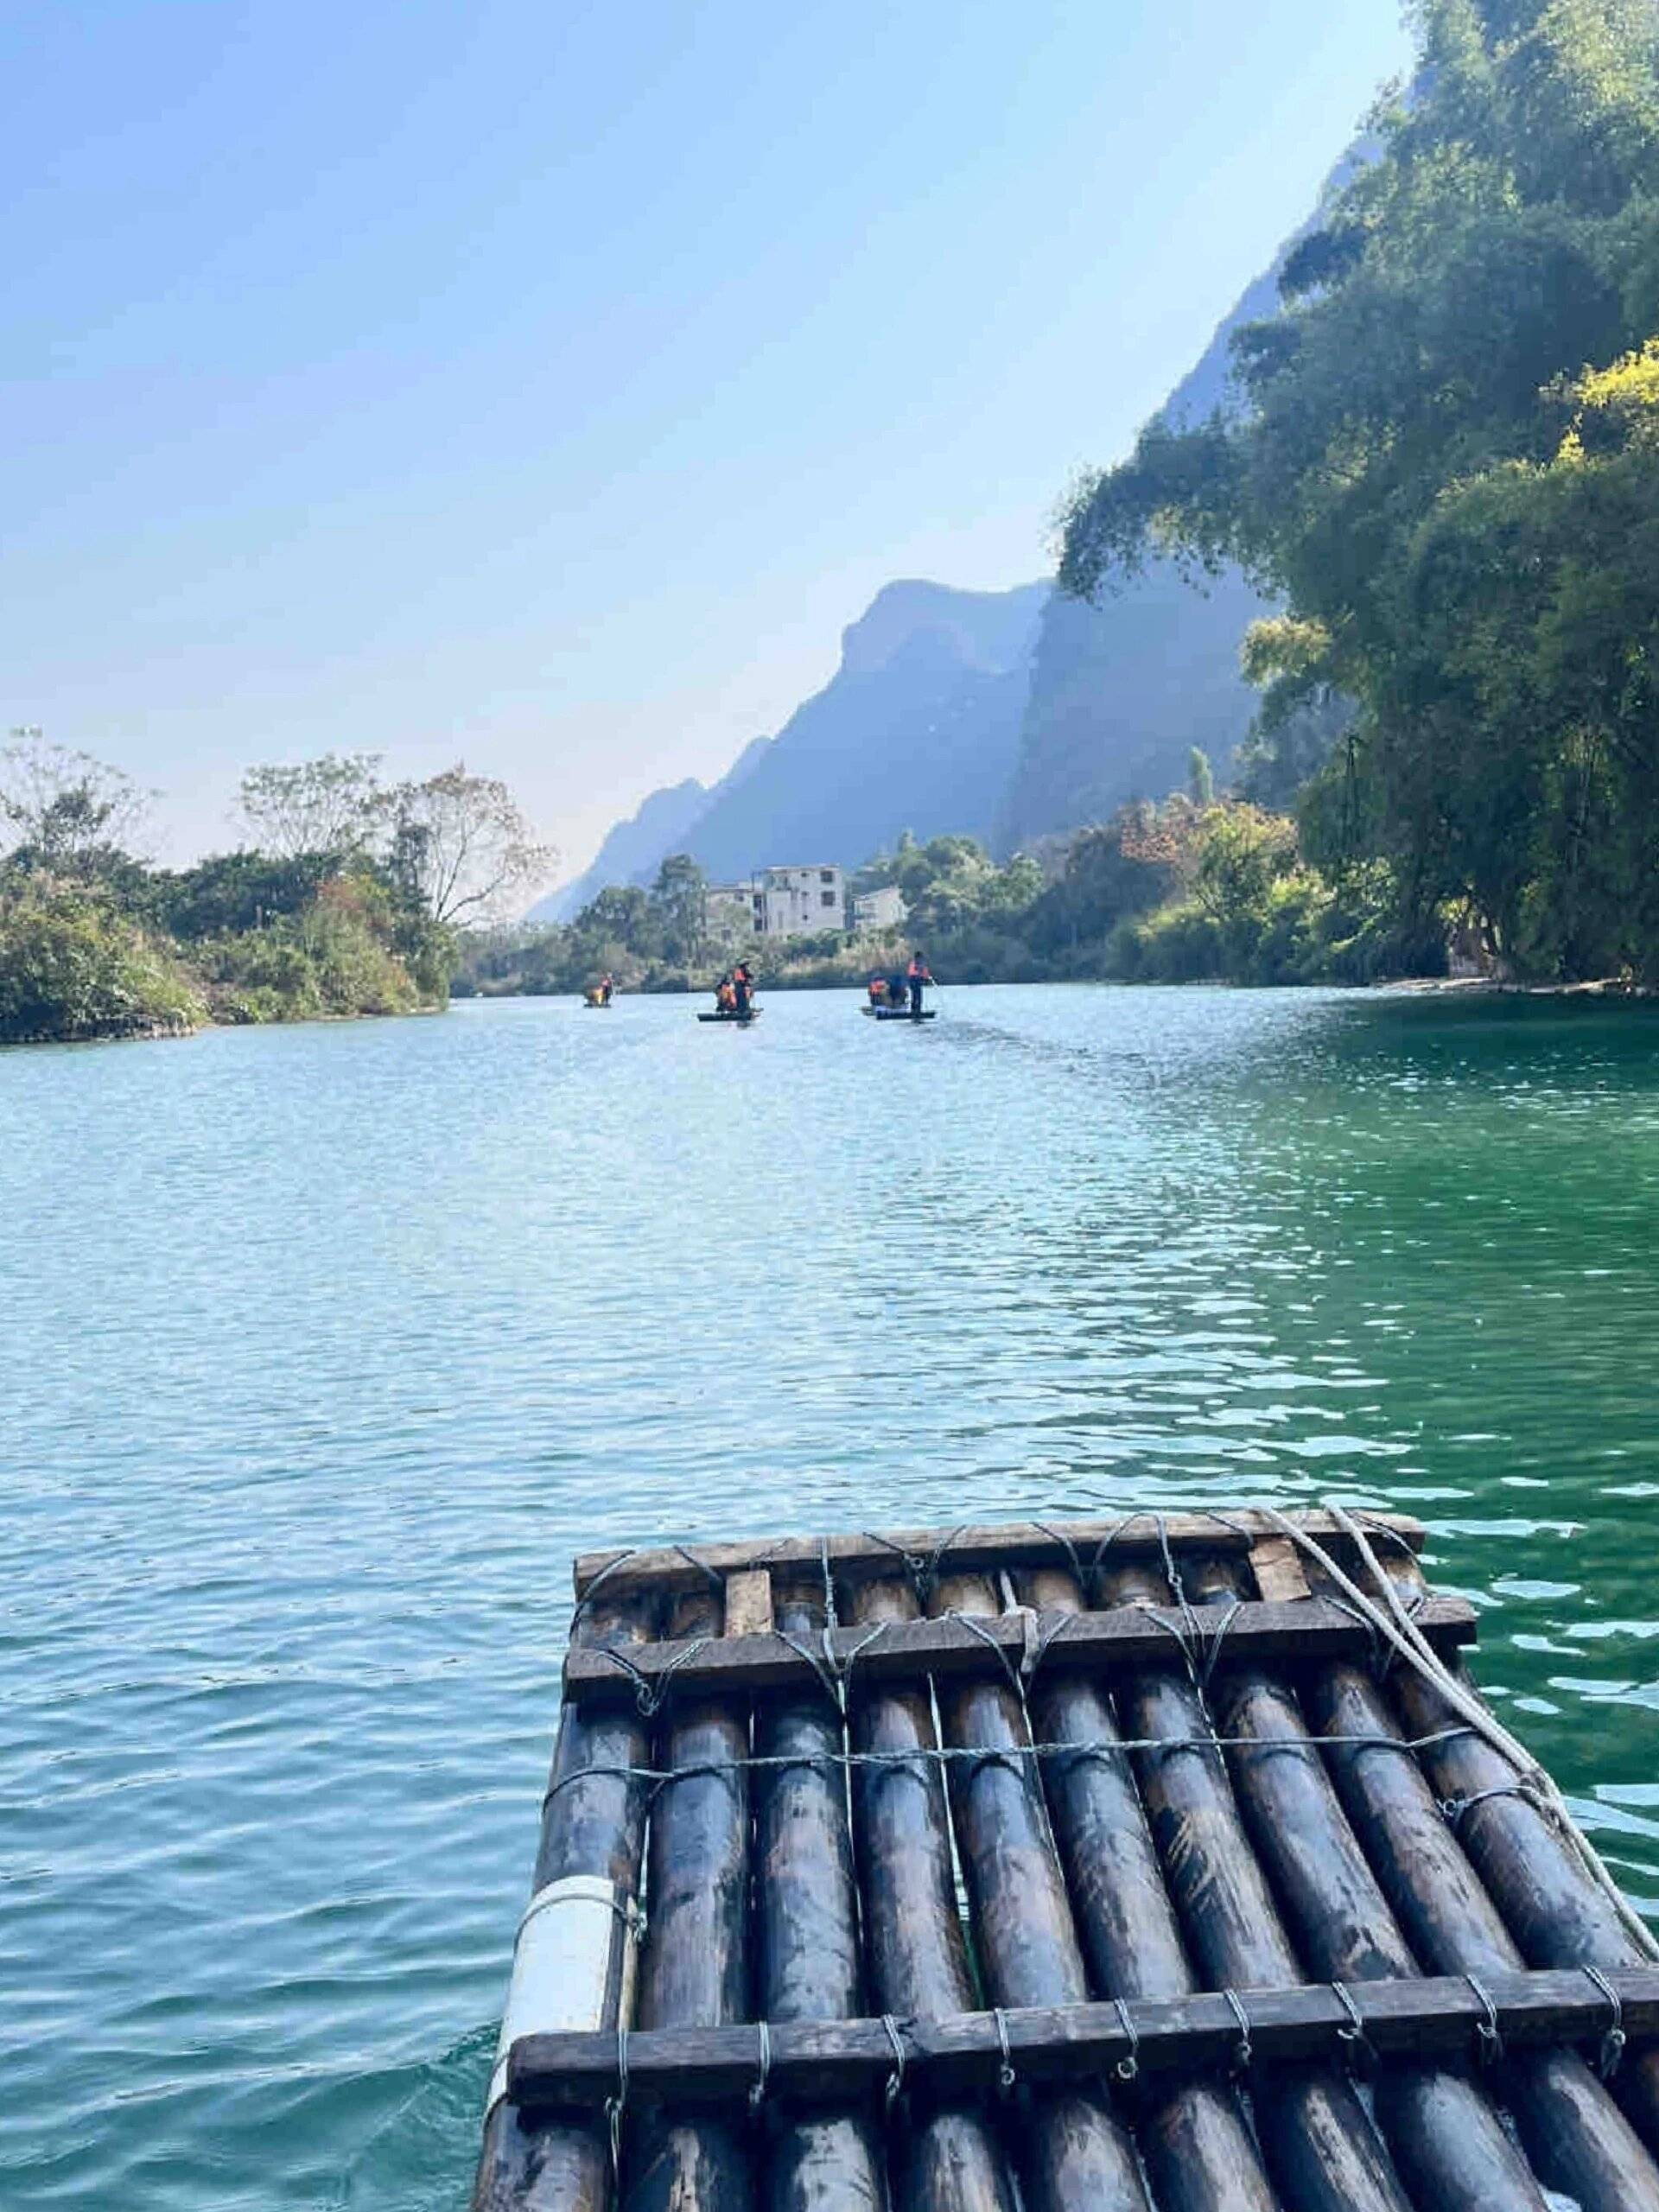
(916, 974)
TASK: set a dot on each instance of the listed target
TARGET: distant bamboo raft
(1168, 1864)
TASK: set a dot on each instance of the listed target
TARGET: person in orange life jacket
(742, 986)
(916, 974)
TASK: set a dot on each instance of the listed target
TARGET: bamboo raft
(1162, 1864)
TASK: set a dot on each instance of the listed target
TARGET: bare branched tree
(464, 846)
(64, 808)
(336, 804)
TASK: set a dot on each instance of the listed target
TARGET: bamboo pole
(1198, 2152)
(1077, 2157)
(914, 1952)
(1322, 2150)
(594, 1827)
(694, 1970)
(1445, 2136)
(807, 1913)
(1577, 2138)
(1557, 1911)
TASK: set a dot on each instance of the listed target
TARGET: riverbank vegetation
(1195, 889)
(1443, 458)
(346, 901)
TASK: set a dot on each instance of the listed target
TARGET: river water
(324, 1348)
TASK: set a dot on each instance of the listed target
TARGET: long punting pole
(694, 1969)
(807, 1913)
(1079, 2156)
(1197, 2149)
(913, 1945)
(1443, 2128)
(1576, 2136)
(1321, 2147)
(594, 1827)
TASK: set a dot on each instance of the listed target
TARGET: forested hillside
(1445, 464)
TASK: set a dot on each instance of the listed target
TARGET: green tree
(680, 898)
(65, 812)
(1464, 584)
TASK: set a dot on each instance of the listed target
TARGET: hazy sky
(548, 383)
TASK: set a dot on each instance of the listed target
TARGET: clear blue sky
(548, 383)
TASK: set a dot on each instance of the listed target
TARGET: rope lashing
(1129, 2065)
(1457, 1809)
(616, 2106)
(716, 1583)
(1058, 1536)
(1244, 2054)
(895, 2087)
(1489, 2047)
(948, 1754)
(923, 1569)
(1006, 2076)
(1403, 1633)
(648, 1695)
(758, 2094)
(592, 1590)
(1357, 2054)
(1613, 2041)
(834, 1674)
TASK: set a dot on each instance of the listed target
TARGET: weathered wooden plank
(1126, 1637)
(1276, 1569)
(748, 1603)
(965, 1550)
(815, 2061)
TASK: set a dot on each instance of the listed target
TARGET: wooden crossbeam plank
(1277, 1566)
(748, 1603)
(1129, 1636)
(967, 1550)
(839, 2062)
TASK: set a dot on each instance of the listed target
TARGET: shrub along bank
(1196, 889)
(351, 910)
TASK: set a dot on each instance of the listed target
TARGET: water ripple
(326, 1349)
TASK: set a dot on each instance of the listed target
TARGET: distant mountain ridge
(1005, 716)
(918, 729)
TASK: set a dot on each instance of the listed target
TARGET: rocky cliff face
(1120, 693)
(918, 729)
(1005, 716)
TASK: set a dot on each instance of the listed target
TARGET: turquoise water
(324, 1348)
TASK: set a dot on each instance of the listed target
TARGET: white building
(876, 912)
(784, 902)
